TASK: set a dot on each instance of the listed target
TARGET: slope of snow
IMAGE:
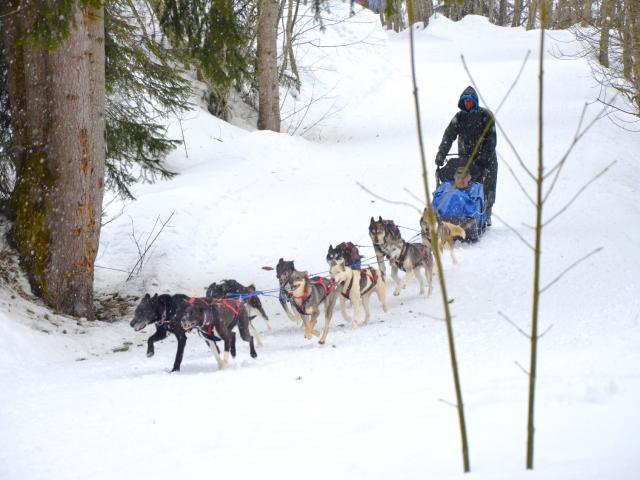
(373, 402)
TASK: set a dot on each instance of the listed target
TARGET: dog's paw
(150, 353)
(254, 354)
(396, 292)
(175, 370)
(321, 342)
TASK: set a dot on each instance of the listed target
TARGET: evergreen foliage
(143, 86)
(217, 37)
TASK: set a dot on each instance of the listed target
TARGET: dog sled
(465, 207)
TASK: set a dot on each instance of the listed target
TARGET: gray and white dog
(411, 258)
(306, 295)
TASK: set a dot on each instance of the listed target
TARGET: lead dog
(306, 295)
(165, 311)
(218, 319)
(357, 286)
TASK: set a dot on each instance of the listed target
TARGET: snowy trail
(372, 403)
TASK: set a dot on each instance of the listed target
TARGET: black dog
(166, 312)
(284, 269)
(229, 288)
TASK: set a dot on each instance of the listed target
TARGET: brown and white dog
(306, 295)
(447, 234)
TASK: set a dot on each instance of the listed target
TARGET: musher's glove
(439, 160)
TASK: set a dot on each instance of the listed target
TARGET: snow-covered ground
(373, 402)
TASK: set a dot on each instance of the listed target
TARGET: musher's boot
(488, 217)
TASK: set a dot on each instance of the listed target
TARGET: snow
(373, 402)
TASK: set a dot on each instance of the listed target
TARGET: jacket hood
(470, 93)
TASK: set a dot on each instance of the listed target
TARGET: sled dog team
(229, 304)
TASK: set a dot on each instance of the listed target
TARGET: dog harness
(327, 286)
(403, 254)
(373, 278)
(167, 313)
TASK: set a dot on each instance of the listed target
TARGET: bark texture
(267, 66)
(57, 201)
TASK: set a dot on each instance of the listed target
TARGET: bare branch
(515, 177)
(432, 317)
(524, 370)
(148, 244)
(526, 335)
(578, 193)
(570, 267)
(393, 202)
(577, 137)
(412, 195)
(506, 137)
(446, 402)
(545, 332)
(514, 231)
(515, 81)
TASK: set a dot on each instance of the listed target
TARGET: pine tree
(216, 36)
(143, 86)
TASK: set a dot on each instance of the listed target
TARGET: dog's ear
(330, 248)
(147, 297)
(379, 218)
(155, 296)
(372, 221)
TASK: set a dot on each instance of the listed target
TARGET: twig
(412, 195)
(524, 240)
(506, 137)
(515, 177)
(148, 245)
(526, 335)
(110, 268)
(558, 167)
(432, 317)
(447, 402)
(570, 267)
(524, 370)
(393, 202)
(578, 193)
(545, 332)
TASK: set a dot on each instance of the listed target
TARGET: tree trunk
(531, 15)
(548, 17)
(502, 14)
(423, 9)
(492, 11)
(59, 185)
(517, 13)
(267, 66)
(605, 22)
(587, 16)
(563, 17)
(628, 15)
(477, 7)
